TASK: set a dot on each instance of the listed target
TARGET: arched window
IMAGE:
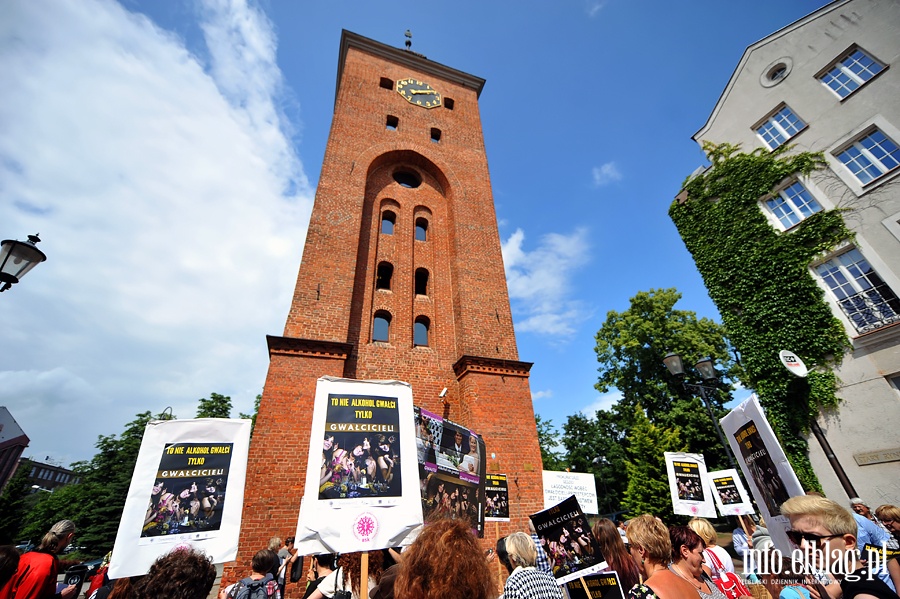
(383, 275)
(421, 229)
(420, 331)
(421, 281)
(381, 326)
(388, 219)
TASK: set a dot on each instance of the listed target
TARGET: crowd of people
(837, 559)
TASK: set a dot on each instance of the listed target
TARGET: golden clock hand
(422, 91)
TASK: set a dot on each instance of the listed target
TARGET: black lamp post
(708, 373)
(17, 258)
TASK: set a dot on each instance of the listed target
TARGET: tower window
(448, 103)
(381, 326)
(388, 219)
(421, 229)
(435, 134)
(392, 123)
(420, 331)
(407, 179)
(383, 275)
(421, 281)
(386, 83)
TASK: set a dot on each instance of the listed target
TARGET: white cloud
(535, 395)
(594, 8)
(540, 281)
(606, 174)
(172, 206)
(602, 402)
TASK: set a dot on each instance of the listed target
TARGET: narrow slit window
(388, 219)
(448, 103)
(386, 83)
(381, 326)
(383, 276)
(392, 123)
(435, 135)
(420, 331)
(421, 229)
(421, 281)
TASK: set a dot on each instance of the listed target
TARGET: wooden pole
(364, 574)
(584, 585)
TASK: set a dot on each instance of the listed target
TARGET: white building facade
(830, 83)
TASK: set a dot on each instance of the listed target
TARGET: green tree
(14, 503)
(216, 406)
(252, 417)
(648, 486)
(597, 445)
(548, 439)
(630, 349)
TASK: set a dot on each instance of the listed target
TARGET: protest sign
(770, 476)
(567, 540)
(187, 487)
(688, 484)
(560, 485)
(729, 493)
(605, 585)
(362, 488)
(496, 498)
(451, 470)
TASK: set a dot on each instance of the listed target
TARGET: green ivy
(759, 279)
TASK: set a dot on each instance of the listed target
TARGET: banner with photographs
(451, 470)
(766, 469)
(729, 493)
(568, 542)
(605, 585)
(559, 485)
(361, 479)
(688, 486)
(187, 487)
(496, 498)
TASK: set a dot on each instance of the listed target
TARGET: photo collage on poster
(361, 448)
(688, 482)
(496, 498)
(761, 467)
(451, 470)
(727, 490)
(188, 493)
(567, 540)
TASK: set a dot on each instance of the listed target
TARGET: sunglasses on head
(796, 536)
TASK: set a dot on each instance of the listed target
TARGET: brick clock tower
(401, 278)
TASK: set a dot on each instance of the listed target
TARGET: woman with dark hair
(382, 451)
(36, 575)
(651, 550)
(348, 576)
(687, 561)
(612, 548)
(444, 562)
(9, 563)
(183, 573)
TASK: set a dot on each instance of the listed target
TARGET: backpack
(247, 588)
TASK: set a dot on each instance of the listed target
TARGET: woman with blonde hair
(715, 557)
(526, 581)
(651, 550)
(38, 569)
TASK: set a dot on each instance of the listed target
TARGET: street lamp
(40, 488)
(707, 371)
(17, 258)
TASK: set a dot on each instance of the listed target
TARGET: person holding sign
(651, 550)
(525, 580)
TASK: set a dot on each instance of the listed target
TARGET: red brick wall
(472, 349)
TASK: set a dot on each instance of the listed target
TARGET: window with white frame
(779, 127)
(793, 204)
(870, 156)
(863, 296)
(850, 72)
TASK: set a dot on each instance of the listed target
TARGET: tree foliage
(216, 406)
(648, 486)
(760, 281)
(548, 439)
(252, 417)
(14, 503)
(597, 445)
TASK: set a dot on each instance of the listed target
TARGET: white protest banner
(766, 469)
(688, 484)
(558, 486)
(187, 487)
(362, 481)
(728, 490)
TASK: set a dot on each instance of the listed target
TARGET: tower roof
(403, 57)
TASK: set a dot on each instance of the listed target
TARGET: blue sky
(168, 153)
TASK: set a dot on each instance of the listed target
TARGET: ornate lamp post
(17, 258)
(708, 373)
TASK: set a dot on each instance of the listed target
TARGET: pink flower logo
(365, 526)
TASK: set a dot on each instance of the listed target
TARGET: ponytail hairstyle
(51, 541)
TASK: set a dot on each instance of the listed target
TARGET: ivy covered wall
(759, 279)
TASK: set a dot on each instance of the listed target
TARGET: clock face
(418, 93)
